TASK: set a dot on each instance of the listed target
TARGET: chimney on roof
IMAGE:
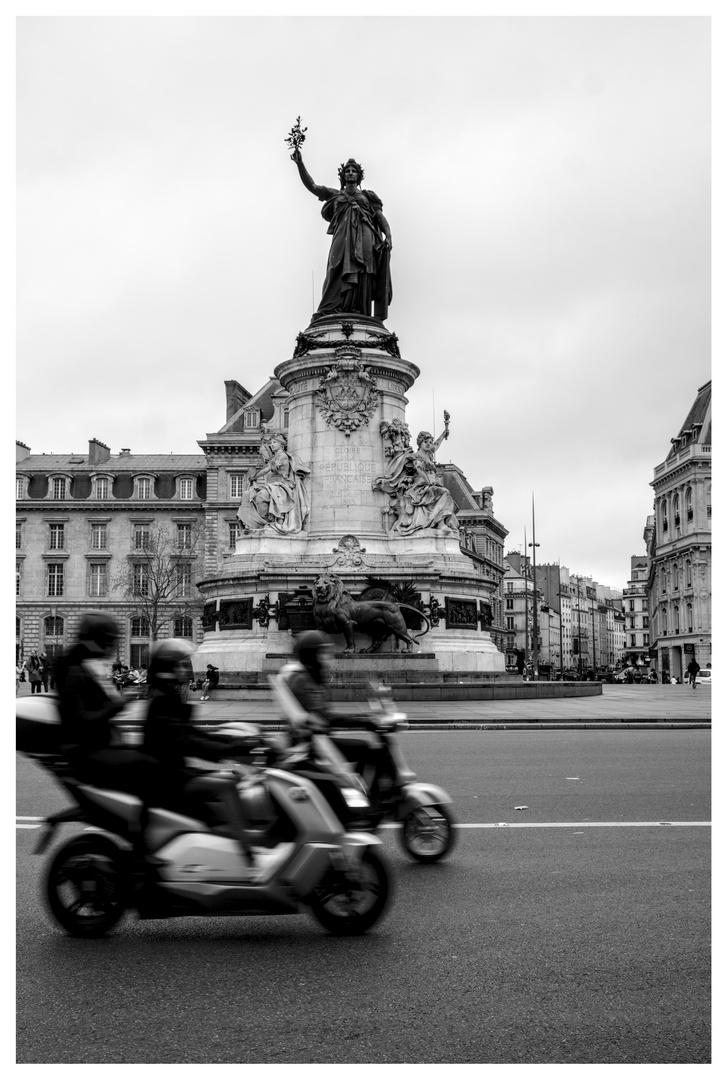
(21, 451)
(235, 397)
(97, 452)
(125, 451)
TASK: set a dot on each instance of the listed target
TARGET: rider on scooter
(89, 741)
(169, 738)
(307, 677)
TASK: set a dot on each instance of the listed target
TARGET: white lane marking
(567, 824)
(20, 817)
(21, 824)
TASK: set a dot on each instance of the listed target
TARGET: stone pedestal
(345, 380)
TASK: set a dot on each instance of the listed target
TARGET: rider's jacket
(85, 707)
(170, 737)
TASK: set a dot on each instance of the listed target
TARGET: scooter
(301, 856)
(424, 810)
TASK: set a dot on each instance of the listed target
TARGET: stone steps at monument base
(471, 690)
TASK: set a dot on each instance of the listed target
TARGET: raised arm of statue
(306, 178)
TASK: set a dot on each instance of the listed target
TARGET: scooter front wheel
(428, 833)
(87, 886)
(348, 905)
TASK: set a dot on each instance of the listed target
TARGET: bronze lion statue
(336, 612)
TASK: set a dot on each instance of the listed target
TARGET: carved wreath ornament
(347, 394)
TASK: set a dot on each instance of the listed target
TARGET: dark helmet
(307, 648)
(99, 628)
(163, 660)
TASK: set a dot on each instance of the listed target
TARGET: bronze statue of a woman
(357, 275)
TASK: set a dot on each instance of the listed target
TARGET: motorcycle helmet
(98, 629)
(165, 656)
(307, 649)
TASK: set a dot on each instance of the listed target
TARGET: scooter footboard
(417, 794)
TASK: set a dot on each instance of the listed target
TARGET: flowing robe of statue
(357, 273)
(277, 494)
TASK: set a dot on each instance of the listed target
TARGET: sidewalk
(616, 705)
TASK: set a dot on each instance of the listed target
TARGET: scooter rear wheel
(428, 833)
(346, 907)
(87, 886)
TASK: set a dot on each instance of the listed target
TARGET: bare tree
(159, 577)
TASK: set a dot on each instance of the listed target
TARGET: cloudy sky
(547, 181)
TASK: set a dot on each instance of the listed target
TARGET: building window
(101, 487)
(97, 585)
(509, 586)
(186, 489)
(633, 639)
(184, 536)
(144, 487)
(55, 579)
(140, 579)
(676, 510)
(184, 579)
(99, 536)
(56, 539)
(252, 418)
(18, 535)
(183, 627)
(509, 622)
(58, 488)
(688, 574)
(235, 530)
(19, 488)
(141, 537)
(645, 622)
(689, 504)
(53, 626)
(663, 579)
(663, 508)
(140, 627)
(631, 605)
(675, 584)
(509, 603)
(18, 571)
(237, 485)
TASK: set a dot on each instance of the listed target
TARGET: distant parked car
(704, 677)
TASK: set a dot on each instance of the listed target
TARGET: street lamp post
(534, 545)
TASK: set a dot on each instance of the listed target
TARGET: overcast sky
(547, 181)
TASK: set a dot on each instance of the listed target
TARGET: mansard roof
(115, 463)
(697, 426)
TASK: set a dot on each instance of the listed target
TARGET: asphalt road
(575, 930)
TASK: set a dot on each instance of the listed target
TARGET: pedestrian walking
(212, 678)
(32, 666)
(693, 669)
(44, 670)
(18, 676)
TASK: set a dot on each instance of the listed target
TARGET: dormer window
(143, 487)
(186, 488)
(21, 483)
(58, 487)
(252, 418)
(102, 487)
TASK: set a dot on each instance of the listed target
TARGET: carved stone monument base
(346, 385)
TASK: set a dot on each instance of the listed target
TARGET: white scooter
(301, 855)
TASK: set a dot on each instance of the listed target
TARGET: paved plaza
(626, 704)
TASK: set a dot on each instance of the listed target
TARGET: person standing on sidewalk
(693, 669)
(32, 666)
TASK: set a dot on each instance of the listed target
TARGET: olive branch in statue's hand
(296, 138)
